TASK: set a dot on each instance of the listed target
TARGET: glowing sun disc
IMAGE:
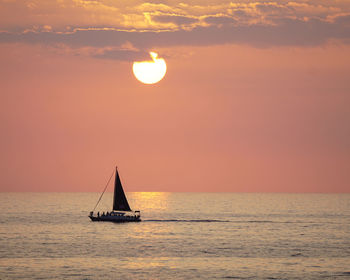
(150, 72)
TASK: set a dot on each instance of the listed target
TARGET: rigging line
(104, 190)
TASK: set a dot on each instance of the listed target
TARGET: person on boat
(98, 214)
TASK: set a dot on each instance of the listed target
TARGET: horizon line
(238, 192)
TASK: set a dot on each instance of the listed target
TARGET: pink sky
(263, 110)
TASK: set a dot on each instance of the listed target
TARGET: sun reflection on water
(155, 201)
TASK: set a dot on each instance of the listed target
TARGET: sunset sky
(256, 97)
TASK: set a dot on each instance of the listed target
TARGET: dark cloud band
(286, 32)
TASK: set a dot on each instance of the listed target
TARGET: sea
(181, 236)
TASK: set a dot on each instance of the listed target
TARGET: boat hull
(115, 219)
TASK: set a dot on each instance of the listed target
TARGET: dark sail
(119, 202)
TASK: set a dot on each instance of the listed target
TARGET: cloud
(343, 21)
(178, 20)
(259, 24)
(123, 55)
(285, 32)
(243, 16)
(272, 8)
(219, 20)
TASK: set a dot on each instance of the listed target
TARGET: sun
(150, 72)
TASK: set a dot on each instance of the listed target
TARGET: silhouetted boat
(121, 210)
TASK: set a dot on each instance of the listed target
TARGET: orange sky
(256, 97)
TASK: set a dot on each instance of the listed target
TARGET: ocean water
(182, 236)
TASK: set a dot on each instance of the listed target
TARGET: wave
(224, 221)
(189, 221)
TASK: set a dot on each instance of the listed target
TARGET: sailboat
(121, 210)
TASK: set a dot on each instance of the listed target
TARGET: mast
(120, 203)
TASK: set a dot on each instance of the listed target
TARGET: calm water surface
(182, 236)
